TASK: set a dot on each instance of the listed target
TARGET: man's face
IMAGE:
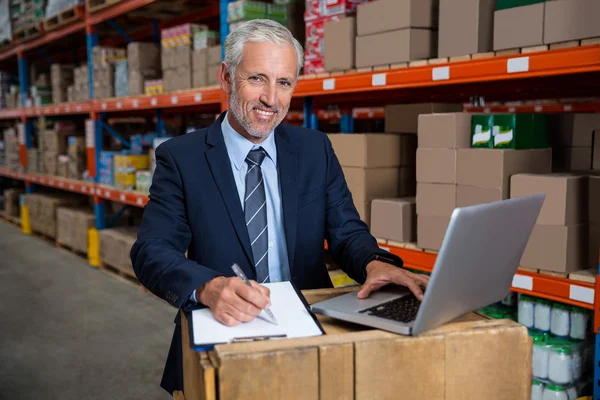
(261, 91)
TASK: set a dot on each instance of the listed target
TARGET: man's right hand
(232, 301)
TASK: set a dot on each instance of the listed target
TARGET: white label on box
(522, 282)
(89, 133)
(119, 105)
(154, 101)
(539, 108)
(567, 107)
(583, 294)
(329, 84)
(21, 133)
(198, 97)
(519, 64)
(135, 103)
(104, 106)
(379, 79)
(440, 73)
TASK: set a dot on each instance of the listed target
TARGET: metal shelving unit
(572, 72)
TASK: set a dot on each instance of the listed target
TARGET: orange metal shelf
(59, 109)
(357, 113)
(11, 114)
(548, 63)
(566, 291)
(191, 97)
(122, 196)
(116, 10)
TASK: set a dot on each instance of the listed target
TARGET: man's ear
(225, 78)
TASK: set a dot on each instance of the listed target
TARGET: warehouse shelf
(186, 98)
(122, 196)
(593, 106)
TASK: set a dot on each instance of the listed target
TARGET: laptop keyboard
(403, 309)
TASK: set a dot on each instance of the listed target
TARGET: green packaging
(481, 130)
(520, 131)
(504, 4)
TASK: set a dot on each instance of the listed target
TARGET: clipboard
(291, 309)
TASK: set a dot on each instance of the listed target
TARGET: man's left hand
(380, 274)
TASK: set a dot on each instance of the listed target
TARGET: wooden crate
(28, 32)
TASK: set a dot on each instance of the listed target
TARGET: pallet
(28, 32)
(65, 17)
(93, 6)
(70, 249)
(44, 237)
(16, 221)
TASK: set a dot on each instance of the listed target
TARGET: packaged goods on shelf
(77, 157)
(143, 180)
(61, 77)
(125, 168)
(121, 78)
(505, 4)
(54, 7)
(11, 149)
(154, 86)
(73, 225)
(570, 20)
(115, 245)
(24, 13)
(573, 140)
(41, 95)
(314, 49)
(510, 131)
(339, 44)
(106, 167)
(103, 56)
(394, 219)
(62, 166)
(12, 205)
(143, 64)
(176, 56)
(5, 22)
(205, 38)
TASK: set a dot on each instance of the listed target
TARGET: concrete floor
(68, 331)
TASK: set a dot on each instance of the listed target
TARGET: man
(250, 191)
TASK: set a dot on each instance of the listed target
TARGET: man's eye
(285, 83)
(254, 78)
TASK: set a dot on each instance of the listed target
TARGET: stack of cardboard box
(77, 157)
(559, 241)
(144, 64)
(80, 90)
(206, 64)
(572, 144)
(396, 31)
(466, 27)
(176, 56)
(12, 206)
(11, 149)
(121, 83)
(104, 60)
(61, 77)
(539, 22)
(35, 163)
(72, 227)
(440, 137)
(376, 166)
(394, 220)
(42, 210)
(54, 143)
(115, 245)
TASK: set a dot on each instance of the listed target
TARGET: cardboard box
(214, 56)
(566, 196)
(576, 130)
(340, 7)
(12, 206)
(444, 131)
(138, 78)
(431, 230)
(594, 199)
(556, 248)
(72, 227)
(395, 47)
(519, 27)
(472, 195)
(200, 59)
(394, 219)
(115, 245)
(436, 165)
(199, 77)
(390, 15)
(404, 118)
(372, 183)
(340, 44)
(183, 57)
(572, 158)
(143, 55)
(491, 168)
(167, 57)
(371, 150)
(571, 20)
(436, 199)
(466, 27)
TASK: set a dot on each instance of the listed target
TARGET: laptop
(479, 256)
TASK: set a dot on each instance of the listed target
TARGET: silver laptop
(475, 266)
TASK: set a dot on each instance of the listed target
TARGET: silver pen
(238, 271)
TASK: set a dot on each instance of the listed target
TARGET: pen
(238, 271)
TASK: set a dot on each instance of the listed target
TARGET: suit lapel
(287, 168)
(220, 166)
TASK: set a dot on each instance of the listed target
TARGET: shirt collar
(238, 146)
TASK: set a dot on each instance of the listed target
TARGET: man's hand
(380, 274)
(232, 301)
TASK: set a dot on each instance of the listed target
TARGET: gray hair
(259, 30)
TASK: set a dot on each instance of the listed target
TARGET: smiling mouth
(265, 113)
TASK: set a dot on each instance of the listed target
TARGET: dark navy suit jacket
(194, 206)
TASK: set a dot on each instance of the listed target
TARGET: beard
(258, 129)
